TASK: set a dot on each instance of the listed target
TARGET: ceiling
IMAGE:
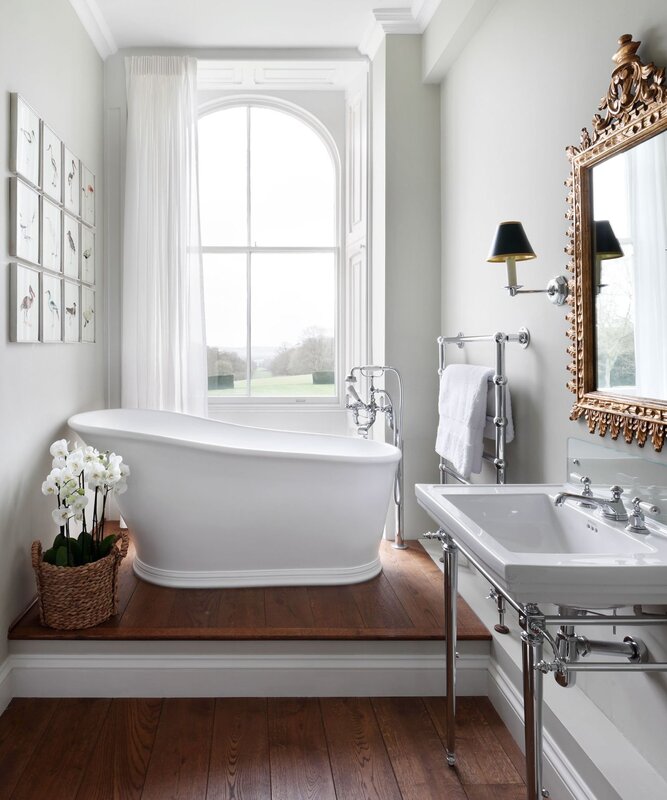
(115, 24)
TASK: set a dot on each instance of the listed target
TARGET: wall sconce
(605, 247)
(510, 245)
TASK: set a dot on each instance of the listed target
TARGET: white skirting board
(331, 669)
(5, 683)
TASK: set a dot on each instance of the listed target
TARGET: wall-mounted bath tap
(364, 414)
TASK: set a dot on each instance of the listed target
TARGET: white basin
(569, 556)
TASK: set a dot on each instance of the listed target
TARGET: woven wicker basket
(78, 597)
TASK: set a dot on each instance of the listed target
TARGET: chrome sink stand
(565, 646)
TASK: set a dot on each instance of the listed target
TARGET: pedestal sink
(568, 556)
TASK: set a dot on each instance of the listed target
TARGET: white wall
(526, 83)
(46, 56)
(406, 242)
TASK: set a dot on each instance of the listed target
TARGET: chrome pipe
(532, 640)
(394, 414)
(606, 620)
(613, 666)
(450, 555)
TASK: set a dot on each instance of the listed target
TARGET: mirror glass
(629, 260)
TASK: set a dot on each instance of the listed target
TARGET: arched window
(268, 182)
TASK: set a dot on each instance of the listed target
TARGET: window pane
(293, 322)
(292, 178)
(225, 292)
(223, 173)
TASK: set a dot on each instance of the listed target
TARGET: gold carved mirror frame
(633, 109)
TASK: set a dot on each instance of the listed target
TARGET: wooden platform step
(404, 602)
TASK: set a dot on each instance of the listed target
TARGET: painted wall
(526, 83)
(406, 242)
(47, 57)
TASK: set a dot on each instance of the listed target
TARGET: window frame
(335, 401)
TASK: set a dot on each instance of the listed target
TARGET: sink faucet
(611, 508)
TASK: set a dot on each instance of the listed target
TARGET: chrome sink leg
(451, 557)
(532, 639)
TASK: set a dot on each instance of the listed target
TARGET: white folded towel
(462, 408)
(489, 427)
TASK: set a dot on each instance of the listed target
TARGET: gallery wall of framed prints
(51, 235)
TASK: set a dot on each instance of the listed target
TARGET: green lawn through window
(277, 386)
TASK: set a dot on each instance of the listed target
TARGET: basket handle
(124, 539)
(36, 554)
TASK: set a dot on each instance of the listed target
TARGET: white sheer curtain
(163, 339)
(647, 179)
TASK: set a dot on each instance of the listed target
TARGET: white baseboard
(560, 776)
(6, 692)
(324, 674)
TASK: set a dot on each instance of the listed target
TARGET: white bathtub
(215, 504)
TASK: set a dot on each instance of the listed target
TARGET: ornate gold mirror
(618, 244)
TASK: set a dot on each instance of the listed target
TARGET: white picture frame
(51, 329)
(71, 313)
(51, 236)
(87, 255)
(71, 182)
(87, 314)
(24, 292)
(24, 221)
(51, 175)
(25, 140)
(71, 246)
(87, 196)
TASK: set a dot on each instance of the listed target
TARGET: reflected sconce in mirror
(606, 246)
(510, 245)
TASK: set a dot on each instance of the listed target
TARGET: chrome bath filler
(364, 414)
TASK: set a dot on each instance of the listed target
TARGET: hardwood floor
(404, 602)
(254, 749)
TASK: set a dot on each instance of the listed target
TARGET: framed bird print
(87, 196)
(71, 312)
(87, 314)
(71, 241)
(87, 255)
(71, 182)
(24, 140)
(51, 308)
(52, 164)
(24, 225)
(51, 236)
(24, 303)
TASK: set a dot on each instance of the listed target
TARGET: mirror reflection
(629, 260)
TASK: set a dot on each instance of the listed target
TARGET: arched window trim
(318, 127)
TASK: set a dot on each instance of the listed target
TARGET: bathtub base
(225, 579)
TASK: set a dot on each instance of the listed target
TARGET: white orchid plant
(73, 472)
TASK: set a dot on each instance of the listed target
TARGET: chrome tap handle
(586, 482)
(616, 492)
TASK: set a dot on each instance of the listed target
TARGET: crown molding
(95, 26)
(265, 74)
(408, 20)
(423, 11)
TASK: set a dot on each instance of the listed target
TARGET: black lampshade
(606, 245)
(510, 242)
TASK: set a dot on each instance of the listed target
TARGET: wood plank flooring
(254, 749)
(404, 602)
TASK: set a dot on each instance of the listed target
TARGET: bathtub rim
(390, 453)
(227, 579)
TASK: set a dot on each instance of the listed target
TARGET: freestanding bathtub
(215, 504)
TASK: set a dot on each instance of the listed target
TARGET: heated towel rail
(500, 395)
